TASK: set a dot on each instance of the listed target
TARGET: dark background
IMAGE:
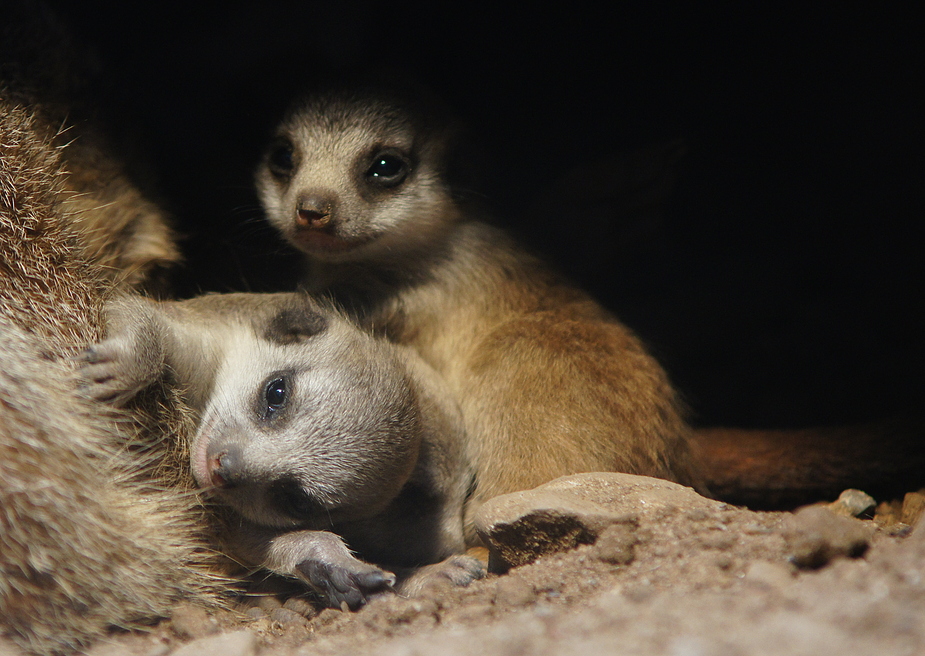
(745, 188)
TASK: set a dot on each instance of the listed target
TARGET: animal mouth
(324, 239)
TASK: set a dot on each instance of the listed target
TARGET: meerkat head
(356, 177)
(310, 423)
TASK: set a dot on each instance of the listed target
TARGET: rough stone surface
(815, 536)
(704, 579)
(238, 643)
(571, 511)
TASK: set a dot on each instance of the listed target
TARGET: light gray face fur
(354, 179)
(336, 440)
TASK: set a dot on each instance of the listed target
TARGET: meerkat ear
(295, 324)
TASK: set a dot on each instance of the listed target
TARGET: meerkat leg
(459, 571)
(319, 559)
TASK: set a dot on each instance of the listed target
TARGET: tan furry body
(549, 383)
(91, 534)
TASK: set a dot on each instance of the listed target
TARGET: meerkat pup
(549, 383)
(310, 430)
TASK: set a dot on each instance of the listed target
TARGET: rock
(888, 513)
(286, 616)
(189, 621)
(852, 503)
(301, 606)
(255, 613)
(815, 536)
(562, 514)
(913, 505)
(268, 603)
(237, 643)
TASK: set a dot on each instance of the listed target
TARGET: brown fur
(44, 69)
(90, 537)
(773, 469)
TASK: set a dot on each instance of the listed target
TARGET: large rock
(520, 527)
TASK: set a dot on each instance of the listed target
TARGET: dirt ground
(669, 572)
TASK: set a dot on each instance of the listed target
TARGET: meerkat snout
(315, 210)
(223, 469)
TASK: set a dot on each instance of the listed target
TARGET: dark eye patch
(291, 499)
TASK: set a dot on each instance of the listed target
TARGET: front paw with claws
(106, 372)
(128, 360)
(345, 587)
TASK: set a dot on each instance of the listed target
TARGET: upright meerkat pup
(306, 425)
(549, 383)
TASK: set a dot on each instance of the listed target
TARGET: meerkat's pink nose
(314, 210)
(223, 468)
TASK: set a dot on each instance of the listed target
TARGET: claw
(340, 587)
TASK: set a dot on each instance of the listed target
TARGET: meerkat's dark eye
(281, 159)
(275, 395)
(387, 170)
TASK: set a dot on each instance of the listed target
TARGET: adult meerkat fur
(90, 536)
(111, 220)
(307, 426)
(549, 383)
(94, 533)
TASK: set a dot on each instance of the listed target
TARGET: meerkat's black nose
(315, 210)
(225, 468)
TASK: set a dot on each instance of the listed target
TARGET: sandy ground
(668, 572)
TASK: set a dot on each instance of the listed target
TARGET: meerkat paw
(457, 571)
(345, 585)
(111, 371)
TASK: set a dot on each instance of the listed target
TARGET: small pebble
(267, 602)
(852, 503)
(286, 616)
(913, 506)
(255, 613)
(188, 621)
(815, 536)
(301, 606)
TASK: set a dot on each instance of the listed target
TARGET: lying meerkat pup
(310, 430)
(549, 383)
